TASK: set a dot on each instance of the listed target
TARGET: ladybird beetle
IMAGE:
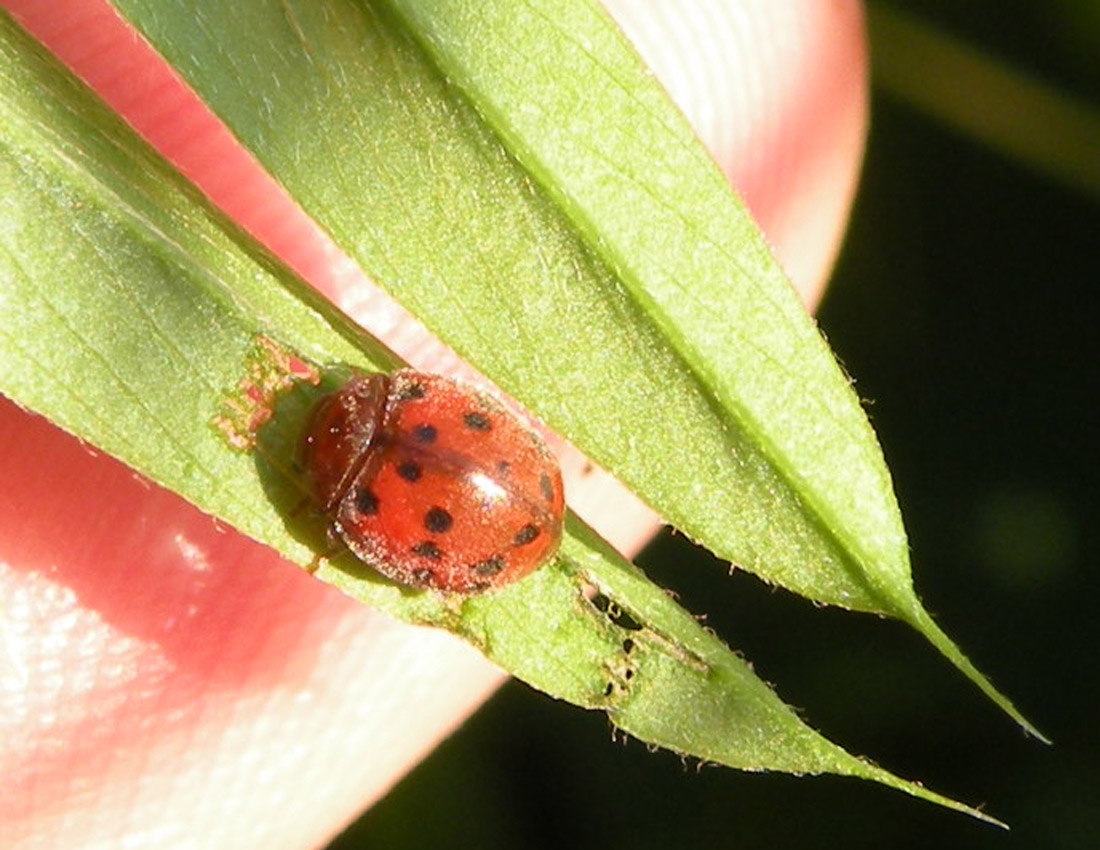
(432, 482)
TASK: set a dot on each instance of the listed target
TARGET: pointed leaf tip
(867, 770)
(922, 621)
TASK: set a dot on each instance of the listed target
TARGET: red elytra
(432, 482)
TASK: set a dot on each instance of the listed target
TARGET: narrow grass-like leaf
(515, 177)
(128, 311)
(986, 98)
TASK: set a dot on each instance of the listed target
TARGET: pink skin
(166, 681)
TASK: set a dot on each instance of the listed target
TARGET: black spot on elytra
(476, 421)
(525, 535)
(427, 549)
(423, 576)
(503, 466)
(410, 390)
(546, 487)
(409, 471)
(489, 567)
(437, 520)
(366, 501)
(424, 433)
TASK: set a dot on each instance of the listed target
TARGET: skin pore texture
(167, 682)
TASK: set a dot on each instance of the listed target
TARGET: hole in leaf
(614, 613)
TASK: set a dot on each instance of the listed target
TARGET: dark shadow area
(277, 458)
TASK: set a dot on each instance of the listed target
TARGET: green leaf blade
(437, 210)
(499, 201)
(722, 302)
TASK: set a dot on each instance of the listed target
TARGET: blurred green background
(965, 305)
